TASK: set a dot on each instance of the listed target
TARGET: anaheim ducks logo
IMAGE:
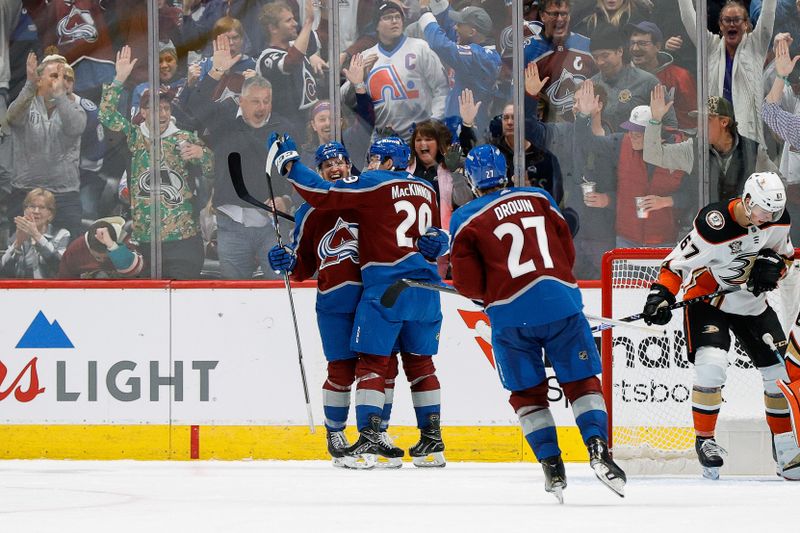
(739, 269)
(339, 244)
(78, 25)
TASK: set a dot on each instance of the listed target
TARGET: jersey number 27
(515, 268)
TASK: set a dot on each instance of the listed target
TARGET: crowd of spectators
(610, 117)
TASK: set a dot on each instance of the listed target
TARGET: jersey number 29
(515, 268)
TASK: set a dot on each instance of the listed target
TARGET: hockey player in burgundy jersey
(738, 243)
(325, 241)
(512, 249)
(394, 212)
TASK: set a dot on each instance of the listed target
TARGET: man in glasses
(407, 82)
(646, 43)
(736, 58)
(561, 55)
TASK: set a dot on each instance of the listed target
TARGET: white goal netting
(650, 380)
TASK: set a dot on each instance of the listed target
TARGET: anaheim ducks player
(740, 243)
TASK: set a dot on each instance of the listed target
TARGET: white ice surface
(201, 496)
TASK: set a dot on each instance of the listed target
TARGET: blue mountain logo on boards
(42, 334)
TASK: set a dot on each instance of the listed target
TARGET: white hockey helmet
(764, 189)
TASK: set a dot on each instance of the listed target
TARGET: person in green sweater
(184, 156)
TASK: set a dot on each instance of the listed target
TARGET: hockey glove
(768, 268)
(434, 243)
(282, 258)
(656, 308)
(281, 150)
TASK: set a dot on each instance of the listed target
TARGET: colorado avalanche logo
(77, 26)
(339, 244)
(171, 186)
(562, 93)
(309, 89)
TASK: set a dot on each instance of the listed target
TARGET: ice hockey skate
(604, 467)
(787, 456)
(390, 462)
(337, 446)
(710, 454)
(370, 445)
(429, 451)
(555, 477)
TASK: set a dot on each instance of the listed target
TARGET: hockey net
(647, 380)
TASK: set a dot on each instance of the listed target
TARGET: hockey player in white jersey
(407, 83)
(741, 243)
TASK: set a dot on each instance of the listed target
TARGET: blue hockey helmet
(393, 148)
(331, 150)
(486, 167)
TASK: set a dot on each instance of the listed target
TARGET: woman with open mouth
(736, 59)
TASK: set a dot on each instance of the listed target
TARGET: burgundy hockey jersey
(325, 241)
(513, 250)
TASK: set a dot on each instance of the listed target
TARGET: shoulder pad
(715, 224)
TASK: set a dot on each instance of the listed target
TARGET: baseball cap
(476, 17)
(640, 115)
(719, 106)
(649, 28)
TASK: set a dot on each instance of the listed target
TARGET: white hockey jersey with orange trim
(719, 253)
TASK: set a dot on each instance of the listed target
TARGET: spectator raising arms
(286, 62)
(736, 59)
(245, 234)
(407, 83)
(45, 122)
(182, 246)
(461, 40)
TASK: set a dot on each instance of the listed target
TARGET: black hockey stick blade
(237, 178)
(390, 296)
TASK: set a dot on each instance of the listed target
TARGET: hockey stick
(235, 168)
(611, 323)
(682, 303)
(391, 294)
(237, 178)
